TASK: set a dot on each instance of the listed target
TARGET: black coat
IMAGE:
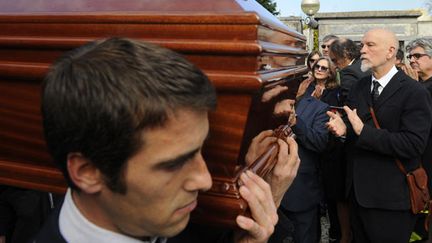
(50, 233)
(427, 156)
(349, 76)
(404, 112)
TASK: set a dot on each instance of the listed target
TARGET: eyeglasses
(325, 46)
(416, 56)
(313, 60)
(321, 68)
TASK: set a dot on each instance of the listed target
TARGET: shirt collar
(384, 80)
(74, 227)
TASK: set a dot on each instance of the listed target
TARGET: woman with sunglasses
(324, 85)
(326, 88)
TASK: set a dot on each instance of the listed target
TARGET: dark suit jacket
(427, 156)
(349, 76)
(50, 233)
(405, 114)
(312, 135)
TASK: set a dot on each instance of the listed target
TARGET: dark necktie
(375, 93)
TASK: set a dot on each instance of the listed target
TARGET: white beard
(365, 66)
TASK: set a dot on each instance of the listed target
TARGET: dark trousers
(284, 229)
(379, 225)
(334, 230)
(306, 225)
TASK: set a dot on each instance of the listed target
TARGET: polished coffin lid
(243, 49)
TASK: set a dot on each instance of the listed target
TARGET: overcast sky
(292, 7)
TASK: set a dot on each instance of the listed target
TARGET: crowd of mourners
(361, 188)
(348, 167)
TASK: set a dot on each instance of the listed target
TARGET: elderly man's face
(420, 61)
(325, 47)
(375, 50)
(163, 179)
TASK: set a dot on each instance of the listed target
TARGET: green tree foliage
(269, 5)
(316, 39)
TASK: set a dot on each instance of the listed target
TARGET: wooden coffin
(244, 50)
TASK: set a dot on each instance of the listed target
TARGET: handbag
(417, 181)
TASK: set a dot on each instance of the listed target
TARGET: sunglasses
(416, 56)
(321, 68)
(325, 46)
(313, 60)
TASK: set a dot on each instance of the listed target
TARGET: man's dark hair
(400, 55)
(345, 48)
(99, 99)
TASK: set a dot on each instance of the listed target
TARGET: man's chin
(177, 227)
(365, 66)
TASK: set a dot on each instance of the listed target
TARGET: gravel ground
(325, 225)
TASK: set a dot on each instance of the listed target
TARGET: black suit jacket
(50, 233)
(405, 114)
(427, 156)
(349, 76)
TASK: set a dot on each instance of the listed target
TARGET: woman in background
(312, 58)
(333, 166)
(310, 61)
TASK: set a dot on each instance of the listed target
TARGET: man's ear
(84, 174)
(391, 53)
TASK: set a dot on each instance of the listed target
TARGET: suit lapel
(389, 90)
(364, 114)
(366, 92)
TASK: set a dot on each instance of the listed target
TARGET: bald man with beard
(377, 189)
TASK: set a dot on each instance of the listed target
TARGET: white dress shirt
(384, 80)
(75, 228)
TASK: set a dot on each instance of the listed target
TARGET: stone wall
(354, 24)
(407, 25)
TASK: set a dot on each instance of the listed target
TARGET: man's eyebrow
(179, 160)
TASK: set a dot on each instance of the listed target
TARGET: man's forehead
(381, 36)
(418, 49)
(368, 37)
(329, 41)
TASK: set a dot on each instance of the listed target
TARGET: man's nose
(200, 178)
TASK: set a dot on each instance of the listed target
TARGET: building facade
(407, 25)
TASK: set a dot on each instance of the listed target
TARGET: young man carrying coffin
(126, 122)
